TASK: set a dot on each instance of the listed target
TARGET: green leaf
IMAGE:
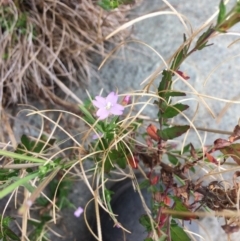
(178, 59)
(16, 184)
(11, 234)
(29, 187)
(21, 157)
(42, 201)
(117, 156)
(179, 179)
(174, 110)
(26, 142)
(237, 7)
(180, 56)
(5, 174)
(163, 237)
(89, 118)
(165, 83)
(145, 221)
(41, 145)
(222, 12)
(181, 207)
(192, 169)
(173, 159)
(121, 162)
(186, 148)
(144, 184)
(108, 195)
(108, 165)
(178, 234)
(174, 93)
(6, 220)
(172, 132)
(203, 39)
(108, 4)
(112, 4)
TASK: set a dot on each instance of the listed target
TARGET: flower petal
(112, 98)
(103, 113)
(99, 102)
(78, 212)
(117, 109)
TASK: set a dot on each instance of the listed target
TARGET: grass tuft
(47, 43)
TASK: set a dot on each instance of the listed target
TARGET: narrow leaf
(11, 234)
(211, 158)
(172, 132)
(16, 184)
(173, 159)
(174, 110)
(174, 93)
(178, 59)
(178, 234)
(203, 39)
(165, 83)
(222, 12)
(21, 157)
(90, 118)
(145, 221)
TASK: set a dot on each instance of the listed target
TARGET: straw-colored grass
(45, 44)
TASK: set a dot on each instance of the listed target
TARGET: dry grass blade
(59, 35)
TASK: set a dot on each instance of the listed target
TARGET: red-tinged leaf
(167, 200)
(236, 134)
(229, 229)
(172, 132)
(235, 181)
(183, 75)
(154, 180)
(193, 151)
(236, 130)
(181, 191)
(133, 161)
(174, 110)
(161, 197)
(152, 132)
(211, 158)
(233, 151)
(221, 143)
(163, 219)
(149, 142)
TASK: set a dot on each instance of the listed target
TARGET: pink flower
(107, 106)
(78, 212)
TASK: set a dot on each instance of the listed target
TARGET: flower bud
(152, 132)
(126, 100)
